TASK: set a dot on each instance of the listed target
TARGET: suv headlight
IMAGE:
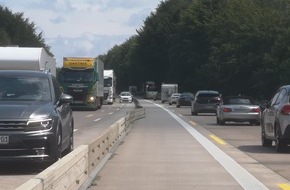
(39, 124)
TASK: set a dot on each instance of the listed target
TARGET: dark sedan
(184, 99)
(36, 122)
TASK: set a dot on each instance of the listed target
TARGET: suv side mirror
(65, 98)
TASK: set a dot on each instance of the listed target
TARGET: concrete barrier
(78, 169)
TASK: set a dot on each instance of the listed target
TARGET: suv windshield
(19, 88)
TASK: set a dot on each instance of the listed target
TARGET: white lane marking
(111, 113)
(242, 176)
(90, 115)
(98, 119)
(75, 130)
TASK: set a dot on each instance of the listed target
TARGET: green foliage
(233, 46)
(15, 30)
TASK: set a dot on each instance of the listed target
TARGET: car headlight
(39, 124)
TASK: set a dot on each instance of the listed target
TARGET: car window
(280, 97)
(274, 99)
(57, 89)
(125, 94)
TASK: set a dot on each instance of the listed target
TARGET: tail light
(285, 110)
(227, 110)
(256, 110)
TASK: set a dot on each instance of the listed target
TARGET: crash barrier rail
(78, 169)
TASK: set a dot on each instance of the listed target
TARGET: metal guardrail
(78, 169)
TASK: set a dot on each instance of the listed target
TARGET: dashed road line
(98, 119)
(218, 140)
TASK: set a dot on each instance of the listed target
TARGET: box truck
(109, 86)
(167, 90)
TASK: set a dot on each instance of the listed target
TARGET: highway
(240, 138)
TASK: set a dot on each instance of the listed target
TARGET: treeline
(15, 30)
(233, 46)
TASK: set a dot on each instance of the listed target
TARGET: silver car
(238, 109)
(173, 98)
(275, 121)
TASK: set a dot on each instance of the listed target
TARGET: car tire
(217, 120)
(58, 143)
(265, 142)
(280, 143)
(71, 139)
(222, 122)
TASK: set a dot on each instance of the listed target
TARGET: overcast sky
(84, 27)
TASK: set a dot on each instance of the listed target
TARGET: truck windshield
(21, 88)
(108, 82)
(77, 76)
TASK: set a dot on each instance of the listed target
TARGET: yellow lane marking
(284, 186)
(192, 122)
(220, 141)
(89, 115)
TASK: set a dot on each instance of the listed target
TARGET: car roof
(207, 92)
(23, 73)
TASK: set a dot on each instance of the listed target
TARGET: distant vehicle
(150, 89)
(157, 96)
(109, 86)
(275, 121)
(83, 79)
(126, 97)
(238, 109)
(184, 99)
(173, 98)
(205, 101)
(167, 90)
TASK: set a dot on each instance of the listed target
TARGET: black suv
(36, 121)
(205, 101)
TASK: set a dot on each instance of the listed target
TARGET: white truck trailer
(26, 58)
(109, 86)
(167, 90)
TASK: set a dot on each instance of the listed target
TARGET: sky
(83, 28)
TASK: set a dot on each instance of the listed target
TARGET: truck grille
(78, 94)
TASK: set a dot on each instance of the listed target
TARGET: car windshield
(125, 94)
(22, 88)
(186, 95)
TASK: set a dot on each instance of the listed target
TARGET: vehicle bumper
(22, 146)
(205, 108)
(241, 117)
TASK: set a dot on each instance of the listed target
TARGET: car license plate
(209, 107)
(4, 139)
